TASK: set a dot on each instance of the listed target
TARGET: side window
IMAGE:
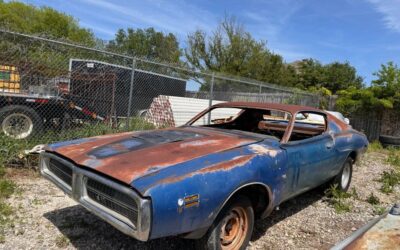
(307, 125)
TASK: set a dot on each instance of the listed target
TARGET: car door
(310, 162)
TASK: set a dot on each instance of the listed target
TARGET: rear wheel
(20, 122)
(343, 179)
(233, 227)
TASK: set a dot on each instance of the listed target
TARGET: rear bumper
(77, 190)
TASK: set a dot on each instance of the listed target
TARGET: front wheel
(343, 179)
(233, 227)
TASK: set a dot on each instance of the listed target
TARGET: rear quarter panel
(347, 141)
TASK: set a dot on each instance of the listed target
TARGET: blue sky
(364, 32)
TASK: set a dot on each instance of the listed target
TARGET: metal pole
(211, 96)
(260, 89)
(128, 116)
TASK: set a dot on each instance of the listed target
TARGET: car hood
(128, 156)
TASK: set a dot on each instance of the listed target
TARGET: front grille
(61, 170)
(115, 200)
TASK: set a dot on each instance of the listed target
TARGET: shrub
(337, 199)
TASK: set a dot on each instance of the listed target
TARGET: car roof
(256, 105)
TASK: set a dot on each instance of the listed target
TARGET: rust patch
(238, 161)
(383, 235)
(377, 240)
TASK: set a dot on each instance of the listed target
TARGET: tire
(20, 122)
(238, 216)
(343, 182)
(388, 140)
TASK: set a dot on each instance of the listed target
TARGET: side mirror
(347, 121)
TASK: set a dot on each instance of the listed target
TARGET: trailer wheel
(20, 122)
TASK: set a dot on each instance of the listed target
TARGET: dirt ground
(45, 218)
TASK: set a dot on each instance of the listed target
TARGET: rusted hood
(128, 156)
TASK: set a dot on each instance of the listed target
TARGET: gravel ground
(47, 219)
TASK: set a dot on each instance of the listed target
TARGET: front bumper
(139, 229)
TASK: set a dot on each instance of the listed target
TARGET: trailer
(111, 84)
(23, 115)
(89, 91)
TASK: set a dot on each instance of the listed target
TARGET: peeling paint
(238, 161)
(260, 149)
(199, 143)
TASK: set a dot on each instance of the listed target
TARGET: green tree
(339, 76)
(43, 21)
(333, 76)
(146, 43)
(232, 50)
(310, 73)
(387, 84)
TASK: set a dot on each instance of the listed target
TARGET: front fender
(189, 196)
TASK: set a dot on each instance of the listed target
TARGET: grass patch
(389, 180)
(338, 199)
(375, 146)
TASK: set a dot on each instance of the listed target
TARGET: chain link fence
(53, 90)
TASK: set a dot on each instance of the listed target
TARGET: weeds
(372, 199)
(354, 194)
(389, 180)
(394, 157)
(379, 210)
(337, 199)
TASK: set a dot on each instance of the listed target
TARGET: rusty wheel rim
(234, 229)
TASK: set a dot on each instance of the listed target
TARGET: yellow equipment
(9, 79)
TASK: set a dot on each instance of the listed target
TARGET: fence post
(128, 115)
(260, 89)
(211, 96)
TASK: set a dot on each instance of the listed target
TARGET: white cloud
(390, 9)
(179, 17)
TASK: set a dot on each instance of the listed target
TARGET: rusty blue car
(210, 179)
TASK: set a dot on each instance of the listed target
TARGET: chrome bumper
(78, 191)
